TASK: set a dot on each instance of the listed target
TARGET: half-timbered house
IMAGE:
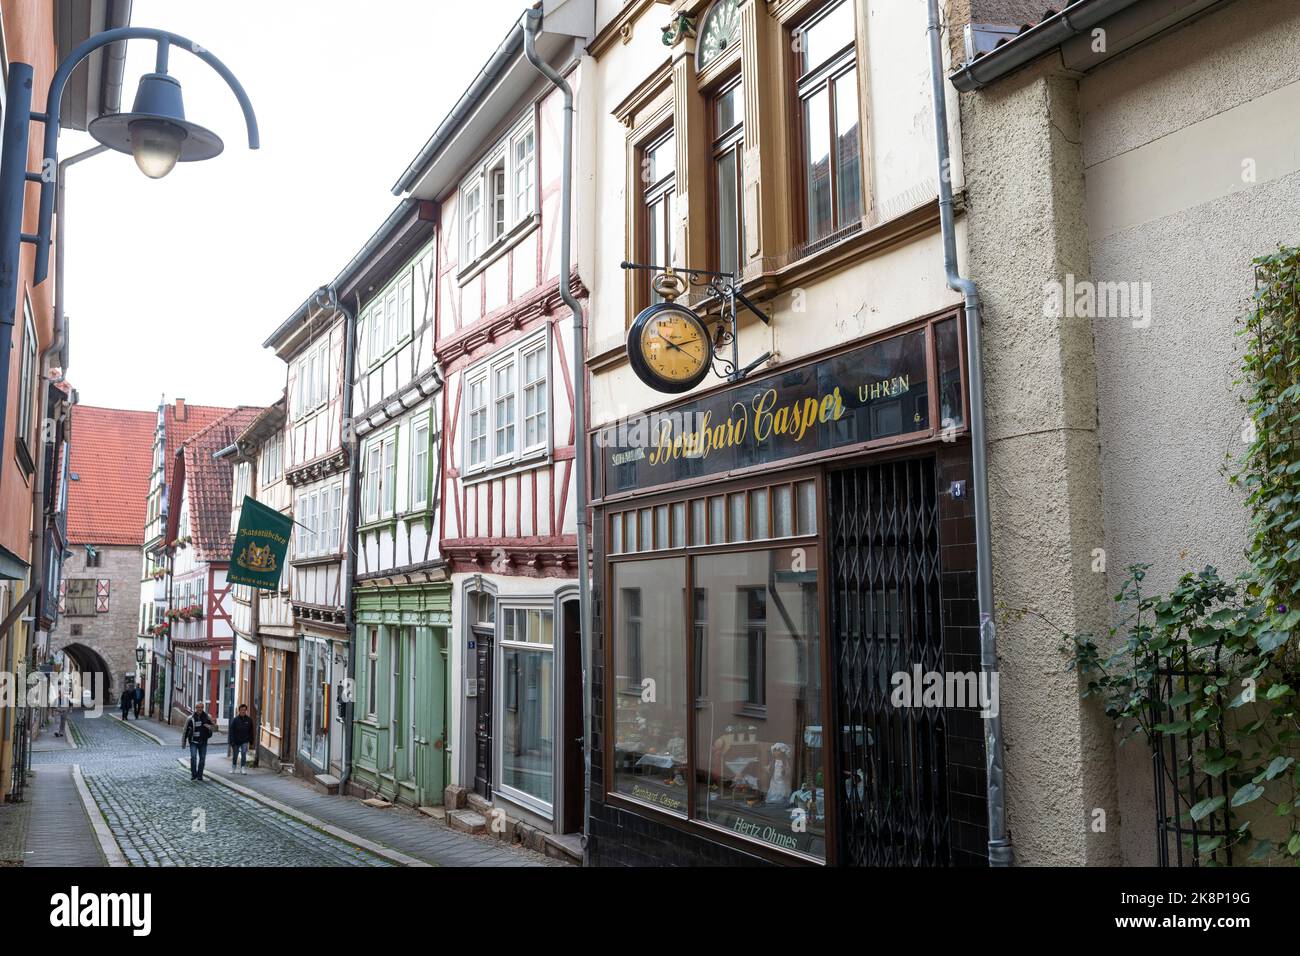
(402, 600)
(199, 611)
(312, 343)
(508, 521)
(176, 423)
(265, 644)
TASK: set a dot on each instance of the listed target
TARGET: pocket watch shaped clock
(669, 348)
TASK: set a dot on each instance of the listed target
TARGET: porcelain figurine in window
(778, 790)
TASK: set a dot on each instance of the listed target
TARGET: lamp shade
(156, 132)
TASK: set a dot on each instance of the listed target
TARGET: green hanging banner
(260, 546)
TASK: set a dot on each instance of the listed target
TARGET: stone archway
(97, 676)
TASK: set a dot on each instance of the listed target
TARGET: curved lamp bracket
(54, 100)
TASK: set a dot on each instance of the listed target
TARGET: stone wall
(111, 635)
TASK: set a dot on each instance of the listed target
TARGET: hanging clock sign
(668, 345)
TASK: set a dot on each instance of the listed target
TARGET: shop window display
(758, 742)
(651, 695)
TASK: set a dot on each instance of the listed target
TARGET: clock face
(670, 349)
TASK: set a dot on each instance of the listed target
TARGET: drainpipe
(1000, 849)
(532, 22)
(327, 297)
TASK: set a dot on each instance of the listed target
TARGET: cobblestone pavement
(162, 818)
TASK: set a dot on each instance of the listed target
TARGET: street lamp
(155, 132)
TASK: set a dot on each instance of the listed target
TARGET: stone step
(285, 767)
(467, 821)
(379, 803)
(567, 847)
(436, 813)
(326, 783)
(479, 804)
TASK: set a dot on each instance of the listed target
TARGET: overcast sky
(173, 284)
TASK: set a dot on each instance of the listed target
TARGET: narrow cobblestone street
(159, 817)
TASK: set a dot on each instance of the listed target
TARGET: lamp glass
(156, 145)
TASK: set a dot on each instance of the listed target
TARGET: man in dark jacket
(139, 700)
(240, 734)
(197, 731)
(125, 701)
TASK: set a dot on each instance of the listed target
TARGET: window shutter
(101, 595)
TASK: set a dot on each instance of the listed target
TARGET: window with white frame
(507, 405)
(526, 732)
(476, 420)
(311, 388)
(380, 481)
(27, 392)
(472, 219)
(420, 455)
(319, 514)
(523, 152)
(500, 193)
(389, 318)
(269, 464)
(504, 403)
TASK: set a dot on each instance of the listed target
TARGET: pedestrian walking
(197, 731)
(125, 702)
(139, 701)
(240, 734)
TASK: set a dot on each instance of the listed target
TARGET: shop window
(758, 729)
(650, 726)
(951, 393)
(527, 738)
(831, 150)
(728, 176)
(750, 619)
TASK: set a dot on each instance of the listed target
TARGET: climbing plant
(1236, 641)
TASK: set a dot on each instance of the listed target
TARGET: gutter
(487, 76)
(531, 24)
(1039, 40)
(1000, 848)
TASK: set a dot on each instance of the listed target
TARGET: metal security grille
(885, 620)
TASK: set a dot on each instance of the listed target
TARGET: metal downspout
(532, 22)
(1000, 848)
(327, 296)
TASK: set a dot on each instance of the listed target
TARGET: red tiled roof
(182, 429)
(111, 455)
(210, 483)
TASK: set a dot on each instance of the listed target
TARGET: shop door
(483, 640)
(885, 607)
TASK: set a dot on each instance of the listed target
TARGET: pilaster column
(764, 135)
(691, 204)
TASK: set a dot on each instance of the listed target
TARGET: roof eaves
(1033, 41)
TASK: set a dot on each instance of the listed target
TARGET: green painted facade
(402, 721)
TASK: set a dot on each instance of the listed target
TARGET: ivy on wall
(1239, 639)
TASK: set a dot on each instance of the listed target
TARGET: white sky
(173, 284)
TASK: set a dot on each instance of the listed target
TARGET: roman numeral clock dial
(669, 348)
